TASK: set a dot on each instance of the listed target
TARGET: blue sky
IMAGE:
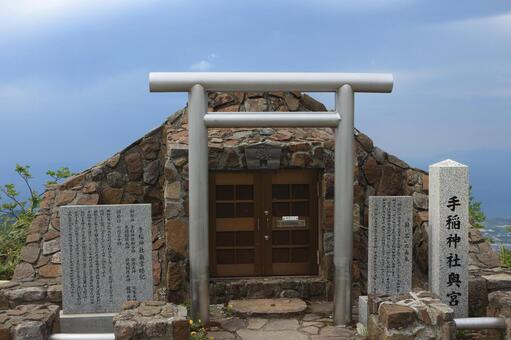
(74, 89)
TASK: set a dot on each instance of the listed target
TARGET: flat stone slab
(268, 307)
(310, 330)
(247, 334)
(256, 323)
(324, 308)
(498, 281)
(282, 325)
(336, 331)
(233, 324)
(220, 335)
(280, 328)
(311, 317)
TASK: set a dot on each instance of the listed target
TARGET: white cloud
(437, 81)
(27, 15)
(27, 95)
(412, 77)
(202, 65)
(356, 4)
(490, 26)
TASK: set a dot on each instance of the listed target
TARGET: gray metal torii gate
(199, 120)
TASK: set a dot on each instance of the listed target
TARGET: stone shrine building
(270, 207)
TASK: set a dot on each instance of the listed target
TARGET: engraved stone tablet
(390, 244)
(448, 239)
(263, 156)
(106, 256)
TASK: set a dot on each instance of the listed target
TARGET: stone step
(308, 288)
(280, 307)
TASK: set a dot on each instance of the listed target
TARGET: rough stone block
(396, 316)
(151, 320)
(55, 293)
(28, 322)
(177, 236)
(30, 330)
(30, 253)
(500, 281)
(499, 304)
(477, 296)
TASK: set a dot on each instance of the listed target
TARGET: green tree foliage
(476, 214)
(58, 175)
(16, 215)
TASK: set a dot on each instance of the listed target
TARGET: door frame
(263, 201)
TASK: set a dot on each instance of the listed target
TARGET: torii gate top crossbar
(197, 84)
(269, 81)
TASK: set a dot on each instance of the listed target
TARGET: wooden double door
(263, 223)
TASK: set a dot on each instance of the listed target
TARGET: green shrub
(488, 239)
(476, 214)
(197, 330)
(12, 239)
(17, 214)
(505, 256)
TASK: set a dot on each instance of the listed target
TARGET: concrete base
(87, 323)
(362, 310)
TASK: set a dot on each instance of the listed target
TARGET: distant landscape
(496, 229)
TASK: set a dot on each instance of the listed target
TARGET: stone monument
(389, 247)
(448, 239)
(390, 244)
(106, 260)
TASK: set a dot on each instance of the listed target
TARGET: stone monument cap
(448, 163)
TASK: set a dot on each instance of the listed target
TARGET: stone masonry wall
(29, 322)
(414, 315)
(376, 173)
(154, 170)
(151, 320)
(131, 176)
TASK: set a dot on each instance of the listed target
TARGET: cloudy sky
(74, 89)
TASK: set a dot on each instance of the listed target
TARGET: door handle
(268, 226)
(267, 214)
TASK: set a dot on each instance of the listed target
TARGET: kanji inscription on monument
(448, 240)
(390, 244)
(106, 256)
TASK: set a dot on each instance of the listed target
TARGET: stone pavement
(315, 324)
